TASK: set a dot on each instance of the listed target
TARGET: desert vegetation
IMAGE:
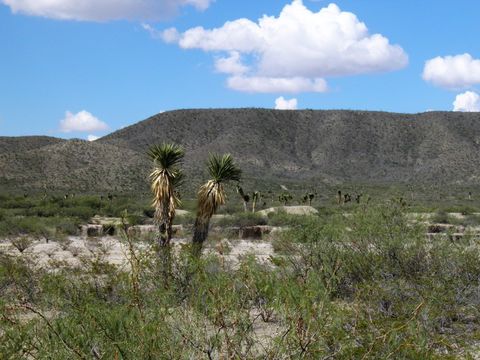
(210, 277)
(366, 285)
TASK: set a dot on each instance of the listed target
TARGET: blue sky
(109, 67)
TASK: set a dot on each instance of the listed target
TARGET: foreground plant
(211, 195)
(165, 178)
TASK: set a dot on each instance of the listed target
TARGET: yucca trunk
(162, 220)
(212, 195)
(200, 233)
(165, 177)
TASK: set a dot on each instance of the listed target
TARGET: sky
(82, 69)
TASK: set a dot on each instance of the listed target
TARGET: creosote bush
(244, 219)
(367, 285)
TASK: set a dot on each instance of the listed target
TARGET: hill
(337, 145)
(76, 166)
(329, 146)
(25, 143)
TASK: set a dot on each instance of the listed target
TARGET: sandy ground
(78, 252)
(72, 252)
(292, 210)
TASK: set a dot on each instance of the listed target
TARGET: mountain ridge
(332, 146)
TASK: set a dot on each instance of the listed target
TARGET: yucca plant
(285, 197)
(165, 178)
(255, 197)
(211, 195)
(245, 197)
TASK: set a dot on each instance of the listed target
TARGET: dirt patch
(78, 250)
(292, 210)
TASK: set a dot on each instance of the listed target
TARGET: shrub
(22, 243)
(244, 219)
(67, 226)
(186, 220)
(149, 212)
(81, 212)
(367, 285)
(281, 218)
(441, 217)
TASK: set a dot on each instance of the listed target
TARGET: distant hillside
(335, 145)
(330, 146)
(25, 143)
(77, 166)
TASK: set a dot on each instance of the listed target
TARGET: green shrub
(281, 218)
(67, 226)
(367, 285)
(471, 220)
(186, 220)
(441, 217)
(22, 243)
(462, 209)
(149, 212)
(82, 212)
(244, 219)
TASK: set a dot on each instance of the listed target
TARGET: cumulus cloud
(103, 10)
(298, 46)
(293, 85)
(283, 104)
(231, 64)
(469, 101)
(82, 121)
(452, 72)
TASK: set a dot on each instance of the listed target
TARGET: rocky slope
(330, 146)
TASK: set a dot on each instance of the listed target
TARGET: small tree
(165, 178)
(285, 198)
(308, 197)
(255, 197)
(211, 195)
(339, 197)
(245, 197)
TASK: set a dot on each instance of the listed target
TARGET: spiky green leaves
(211, 195)
(167, 156)
(165, 178)
(223, 169)
(166, 175)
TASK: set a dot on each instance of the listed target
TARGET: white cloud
(103, 10)
(468, 101)
(82, 121)
(283, 104)
(452, 72)
(231, 64)
(292, 85)
(92, 137)
(298, 44)
(154, 33)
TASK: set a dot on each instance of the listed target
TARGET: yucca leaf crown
(223, 169)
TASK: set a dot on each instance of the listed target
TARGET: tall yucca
(211, 195)
(165, 178)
